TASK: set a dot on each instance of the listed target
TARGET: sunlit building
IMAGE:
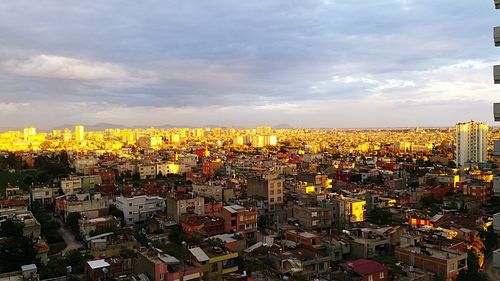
(29, 132)
(79, 133)
(471, 142)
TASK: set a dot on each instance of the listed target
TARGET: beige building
(187, 204)
(268, 187)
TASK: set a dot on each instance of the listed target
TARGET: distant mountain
(95, 127)
(6, 129)
(282, 126)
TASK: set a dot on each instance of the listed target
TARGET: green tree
(381, 215)
(472, 272)
(11, 228)
(15, 252)
(72, 222)
(490, 239)
(177, 235)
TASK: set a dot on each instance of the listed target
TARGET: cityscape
(317, 160)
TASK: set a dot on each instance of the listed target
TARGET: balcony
(496, 74)
(496, 35)
(496, 111)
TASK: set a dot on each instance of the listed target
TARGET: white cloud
(9, 107)
(61, 67)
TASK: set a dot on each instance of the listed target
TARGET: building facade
(471, 143)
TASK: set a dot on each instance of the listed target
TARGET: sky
(306, 63)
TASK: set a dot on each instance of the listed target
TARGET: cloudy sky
(307, 63)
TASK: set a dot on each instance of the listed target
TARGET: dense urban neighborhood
(250, 204)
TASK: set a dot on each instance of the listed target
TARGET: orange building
(205, 226)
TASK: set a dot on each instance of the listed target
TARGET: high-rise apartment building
(29, 132)
(79, 133)
(471, 142)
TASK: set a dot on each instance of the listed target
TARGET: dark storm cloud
(232, 53)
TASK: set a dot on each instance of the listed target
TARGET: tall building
(471, 142)
(79, 133)
(29, 132)
(496, 68)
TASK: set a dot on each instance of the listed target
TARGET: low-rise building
(215, 261)
(205, 226)
(139, 208)
(349, 209)
(313, 217)
(162, 267)
(178, 205)
(366, 270)
(445, 263)
(240, 219)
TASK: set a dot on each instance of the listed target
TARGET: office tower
(79, 133)
(471, 142)
(29, 132)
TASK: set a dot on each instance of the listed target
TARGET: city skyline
(322, 64)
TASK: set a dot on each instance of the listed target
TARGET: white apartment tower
(79, 133)
(471, 142)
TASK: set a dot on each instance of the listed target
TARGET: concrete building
(147, 171)
(313, 217)
(240, 219)
(74, 185)
(162, 267)
(471, 143)
(89, 206)
(445, 263)
(139, 208)
(215, 261)
(349, 209)
(178, 205)
(268, 187)
(208, 190)
(43, 195)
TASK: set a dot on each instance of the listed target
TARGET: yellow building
(350, 209)
(79, 133)
(215, 261)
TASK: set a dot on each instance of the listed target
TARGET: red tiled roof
(365, 267)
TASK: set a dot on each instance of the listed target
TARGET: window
(370, 277)
(162, 276)
(272, 200)
(130, 204)
(140, 206)
(382, 275)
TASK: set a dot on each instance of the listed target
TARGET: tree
(15, 252)
(472, 272)
(72, 221)
(490, 239)
(177, 235)
(381, 216)
(11, 228)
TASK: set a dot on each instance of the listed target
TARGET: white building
(471, 143)
(139, 208)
